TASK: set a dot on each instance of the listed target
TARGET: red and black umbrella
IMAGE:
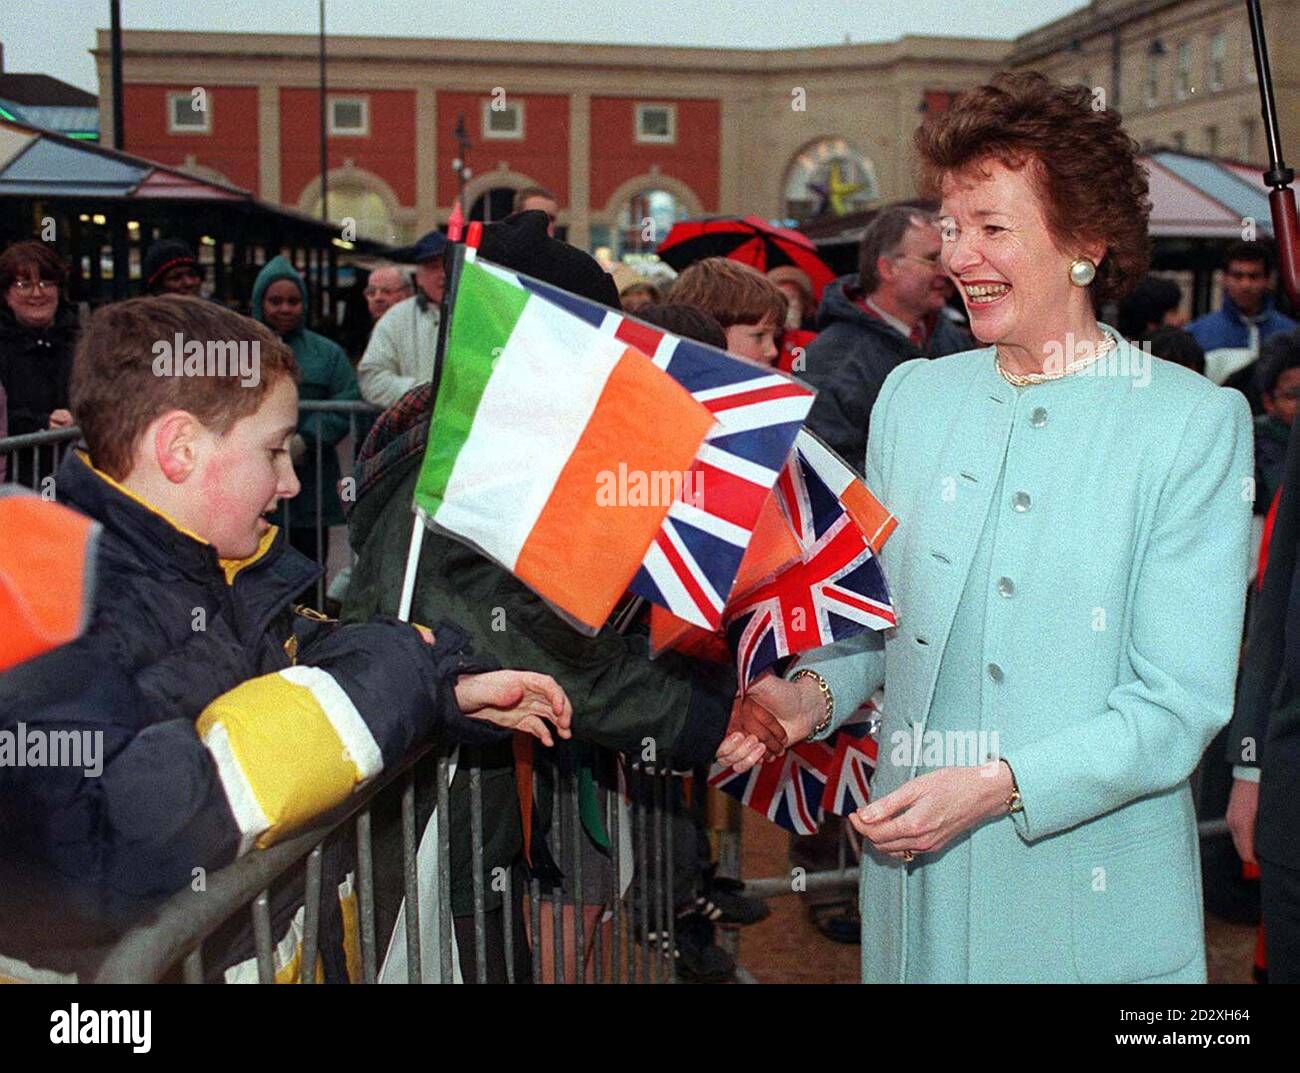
(748, 239)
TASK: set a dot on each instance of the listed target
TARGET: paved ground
(785, 948)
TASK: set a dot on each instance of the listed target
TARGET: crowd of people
(1062, 525)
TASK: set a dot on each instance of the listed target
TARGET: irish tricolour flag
(538, 411)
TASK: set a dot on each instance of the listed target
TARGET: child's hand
(519, 700)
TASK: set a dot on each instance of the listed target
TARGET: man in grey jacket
(400, 352)
(890, 313)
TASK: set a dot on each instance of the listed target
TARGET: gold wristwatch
(827, 698)
(1013, 802)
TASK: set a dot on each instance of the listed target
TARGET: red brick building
(627, 138)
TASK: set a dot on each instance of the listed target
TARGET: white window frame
(187, 95)
(1183, 71)
(336, 131)
(1216, 67)
(643, 138)
(515, 135)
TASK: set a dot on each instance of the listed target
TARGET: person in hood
(280, 302)
(870, 325)
(38, 331)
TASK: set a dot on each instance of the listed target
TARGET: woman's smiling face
(999, 251)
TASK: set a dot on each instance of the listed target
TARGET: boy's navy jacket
(294, 713)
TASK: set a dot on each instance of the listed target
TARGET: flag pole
(1279, 177)
(455, 258)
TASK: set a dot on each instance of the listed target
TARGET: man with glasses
(386, 286)
(400, 352)
(886, 315)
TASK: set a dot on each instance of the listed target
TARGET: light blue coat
(1107, 663)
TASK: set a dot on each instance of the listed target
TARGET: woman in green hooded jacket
(280, 301)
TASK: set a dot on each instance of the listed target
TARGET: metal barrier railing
(626, 932)
(624, 945)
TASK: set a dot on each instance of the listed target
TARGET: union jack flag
(855, 750)
(691, 564)
(811, 779)
(787, 791)
(837, 590)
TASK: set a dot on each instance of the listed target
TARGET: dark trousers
(1280, 899)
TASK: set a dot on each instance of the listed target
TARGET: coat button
(995, 672)
(1020, 502)
(1038, 417)
(1006, 587)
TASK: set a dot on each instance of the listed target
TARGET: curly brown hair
(1084, 166)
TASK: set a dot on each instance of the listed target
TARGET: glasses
(1291, 393)
(929, 262)
(40, 286)
(387, 292)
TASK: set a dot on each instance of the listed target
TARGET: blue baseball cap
(429, 247)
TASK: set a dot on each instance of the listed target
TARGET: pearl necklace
(1026, 379)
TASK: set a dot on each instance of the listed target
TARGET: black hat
(163, 256)
(520, 242)
(427, 248)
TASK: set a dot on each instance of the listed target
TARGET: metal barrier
(627, 933)
(623, 946)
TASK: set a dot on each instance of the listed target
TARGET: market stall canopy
(1191, 197)
(38, 164)
(1203, 197)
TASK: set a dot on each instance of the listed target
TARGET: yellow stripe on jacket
(288, 746)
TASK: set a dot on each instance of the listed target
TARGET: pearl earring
(1082, 271)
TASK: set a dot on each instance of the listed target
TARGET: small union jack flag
(691, 565)
(811, 779)
(837, 590)
(787, 791)
(855, 749)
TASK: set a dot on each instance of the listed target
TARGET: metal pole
(324, 127)
(119, 109)
(1281, 198)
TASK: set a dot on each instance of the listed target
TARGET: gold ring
(908, 855)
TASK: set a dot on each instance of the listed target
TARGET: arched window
(645, 220)
(495, 204)
(829, 177)
(367, 208)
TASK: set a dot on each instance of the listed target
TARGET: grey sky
(55, 38)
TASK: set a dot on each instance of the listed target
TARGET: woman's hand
(61, 419)
(519, 700)
(771, 716)
(926, 813)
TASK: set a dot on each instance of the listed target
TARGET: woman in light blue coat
(1069, 575)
